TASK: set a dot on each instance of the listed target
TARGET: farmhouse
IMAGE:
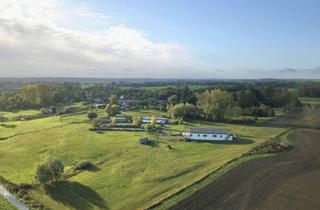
(208, 134)
(160, 120)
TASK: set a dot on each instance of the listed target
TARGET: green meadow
(128, 175)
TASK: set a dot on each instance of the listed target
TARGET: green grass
(13, 128)
(20, 113)
(5, 204)
(130, 175)
(310, 100)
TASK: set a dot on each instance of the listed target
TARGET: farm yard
(127, 175)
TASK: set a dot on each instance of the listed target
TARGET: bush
(49, 171)
(92, 115)
(84, 165)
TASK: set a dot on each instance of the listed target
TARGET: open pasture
(128, 175)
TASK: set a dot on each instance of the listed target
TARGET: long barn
(208, 134)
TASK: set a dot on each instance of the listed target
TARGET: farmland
(128, 175)
(267, 183)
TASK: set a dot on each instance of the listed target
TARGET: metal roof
(209, 130)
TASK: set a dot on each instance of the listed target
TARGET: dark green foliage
(49, 171)
(84, 165)
(92, 115)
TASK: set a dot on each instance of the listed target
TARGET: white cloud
(48, 38)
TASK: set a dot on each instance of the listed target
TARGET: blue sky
(216, 39)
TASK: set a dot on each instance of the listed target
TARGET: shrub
(92, 115)
(84, 165)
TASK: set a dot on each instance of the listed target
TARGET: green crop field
(5, 205)
(128, 175)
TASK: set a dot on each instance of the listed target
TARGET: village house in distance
(208, 134)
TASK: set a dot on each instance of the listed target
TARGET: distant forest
(210, 99)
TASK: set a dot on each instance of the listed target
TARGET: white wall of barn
(208, 137)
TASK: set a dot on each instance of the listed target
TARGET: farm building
(160, 120)
(123, 118)
(208, 134)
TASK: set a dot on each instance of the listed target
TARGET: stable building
(208, 134)
(160, 120)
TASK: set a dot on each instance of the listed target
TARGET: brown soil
(286, 181)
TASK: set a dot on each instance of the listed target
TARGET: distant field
(5, 205)
(37, 111)
(309, 100)
(129, 175)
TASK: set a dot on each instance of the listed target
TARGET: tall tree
(215, 103)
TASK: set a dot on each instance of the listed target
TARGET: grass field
(5, 205)
(310, 100)
(129, 175)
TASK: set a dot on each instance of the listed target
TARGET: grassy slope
(130, 176)
(5, 204)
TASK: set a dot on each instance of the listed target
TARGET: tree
(3, 119)
(113, 100)
(153, 121)
(92, 115)
(113, 110)
(136, 121)
(113, 121)
(49, 171)
(215, 103)
(234, 112)
(246, 98)
(185, 111)
(173, 100)
(312, 116)
(53, 109)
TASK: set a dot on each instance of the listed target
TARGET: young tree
(113, 121)
(136, 121)
(113, 100)
(153, 121)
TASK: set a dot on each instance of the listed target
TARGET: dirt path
(287, 181)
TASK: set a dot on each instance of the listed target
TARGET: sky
(184, 39)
